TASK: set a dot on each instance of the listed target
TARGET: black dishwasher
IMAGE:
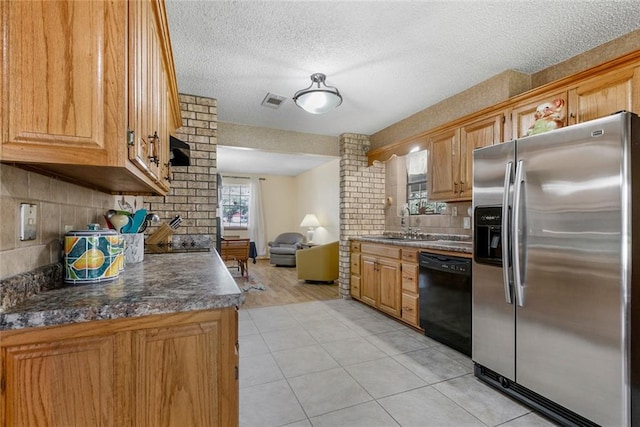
(445, 300)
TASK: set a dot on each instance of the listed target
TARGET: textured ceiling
(389, 59)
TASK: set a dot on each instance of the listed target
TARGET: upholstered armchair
(318, 263)
(282, 250)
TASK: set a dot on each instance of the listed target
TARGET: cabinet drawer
(355, 246)
(410, 255)
(355, 263)
(355, 287)
(410, 309)
(387, 251)
(410, 278)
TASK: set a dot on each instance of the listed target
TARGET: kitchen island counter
(161, 284)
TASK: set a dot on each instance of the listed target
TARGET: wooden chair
(236, 250)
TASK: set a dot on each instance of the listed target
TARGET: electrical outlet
(466, 222)
(28, 221)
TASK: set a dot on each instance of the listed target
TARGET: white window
(417, 188)
(235, 206)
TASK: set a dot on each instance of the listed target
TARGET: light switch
(28, 221)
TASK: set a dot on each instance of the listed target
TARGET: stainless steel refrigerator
(556, 306)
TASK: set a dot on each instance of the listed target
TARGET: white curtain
(417, 163)
(256, 218)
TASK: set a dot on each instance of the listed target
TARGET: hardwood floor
(283, 287)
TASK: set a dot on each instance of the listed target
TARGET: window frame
(423, 204)
(243, 194)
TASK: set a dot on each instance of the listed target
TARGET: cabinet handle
(572, 115)
(154, 141)
(461, 187)
(455, 187)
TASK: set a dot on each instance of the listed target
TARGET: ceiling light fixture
(320, 99)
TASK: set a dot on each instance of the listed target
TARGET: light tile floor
(339, 363)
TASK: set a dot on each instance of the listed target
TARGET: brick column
(193, 193)
(362, 196)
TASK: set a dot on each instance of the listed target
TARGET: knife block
(161, 235)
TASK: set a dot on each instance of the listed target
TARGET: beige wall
(490, 92)
(287, 199)
(59, 204)
(318, 192)
(235, 135)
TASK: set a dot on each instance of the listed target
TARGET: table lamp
(311, 221)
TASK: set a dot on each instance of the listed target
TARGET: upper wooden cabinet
(451, 159)
(444, 161)
(590, 94)
(604, 95)
(67, 89)
(480, 133)
(522, 116)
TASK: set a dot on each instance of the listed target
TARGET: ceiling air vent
(273, 101)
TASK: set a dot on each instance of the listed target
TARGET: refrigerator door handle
(505, 232)
(515, 224)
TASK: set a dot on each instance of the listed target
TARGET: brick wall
(193, 193)
(362, 193)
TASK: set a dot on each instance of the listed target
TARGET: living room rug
(245, 284)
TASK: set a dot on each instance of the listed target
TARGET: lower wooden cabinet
(388, 285)
(69, 382)
(162, 370)
(410, 301)
(379, 278)
(355, 270)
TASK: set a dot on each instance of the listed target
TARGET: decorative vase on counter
(91, 256)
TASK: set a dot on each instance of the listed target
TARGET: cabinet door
(355, 263)
(355, 275)
(63, 383)
(354, 287)
(522, 117)
(65, 83)
(481, 133)
(181, 364)
(390, 291)
(605, 95)
(145, 67)
(410, 278)
(163, 143)
(369, 280)
(410, 308)
(444, 165)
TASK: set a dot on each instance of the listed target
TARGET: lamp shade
(319, 99)
(310, 220)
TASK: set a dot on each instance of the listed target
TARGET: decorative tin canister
(92, 256)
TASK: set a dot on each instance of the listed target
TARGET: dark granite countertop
(443, 242)
(163, 283)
